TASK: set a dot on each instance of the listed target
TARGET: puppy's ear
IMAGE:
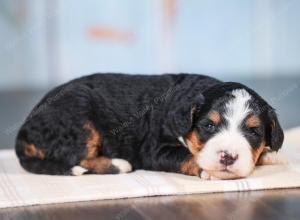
(181, 114)
(274, 133)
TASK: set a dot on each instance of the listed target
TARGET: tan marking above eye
(215, 117)
(194, 143)
(252, 121)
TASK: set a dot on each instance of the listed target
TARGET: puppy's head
(231, 129)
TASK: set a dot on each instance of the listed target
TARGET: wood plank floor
(271, 204)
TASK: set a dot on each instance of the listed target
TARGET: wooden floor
(255, 205)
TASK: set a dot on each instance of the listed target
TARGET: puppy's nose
(228, 159)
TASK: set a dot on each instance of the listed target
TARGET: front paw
(206, 176)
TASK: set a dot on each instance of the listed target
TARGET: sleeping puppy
(115, 123)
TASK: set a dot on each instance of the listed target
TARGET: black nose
(227, 159)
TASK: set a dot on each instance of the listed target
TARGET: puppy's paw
(122, 165)
(206, 176)
(78, 171)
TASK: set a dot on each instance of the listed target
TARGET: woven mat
(19, 188)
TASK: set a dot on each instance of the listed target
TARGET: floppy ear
(181, 114)
(274, 133)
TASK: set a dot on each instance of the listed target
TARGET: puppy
(115, 123)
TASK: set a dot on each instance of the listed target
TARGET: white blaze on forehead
(237, 108)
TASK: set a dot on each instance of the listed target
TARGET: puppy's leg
(175, 159)
(179, 160)
(190, 167)
(102, 165)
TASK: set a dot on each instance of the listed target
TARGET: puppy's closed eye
(255, 131)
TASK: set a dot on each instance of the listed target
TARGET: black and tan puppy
(114, 123)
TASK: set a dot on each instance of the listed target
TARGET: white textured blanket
(19, 188)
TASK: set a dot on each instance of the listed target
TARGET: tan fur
(93, 141)
(32, 151)
(194, 143)
(256, 153)
(98, 164)
(190, 167)
(252, 121)
(215, 117)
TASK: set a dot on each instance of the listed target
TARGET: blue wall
(222, 38)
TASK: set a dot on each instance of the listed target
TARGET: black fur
(138, 117)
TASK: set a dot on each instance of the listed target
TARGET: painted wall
(222, 38)
(23, 60)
